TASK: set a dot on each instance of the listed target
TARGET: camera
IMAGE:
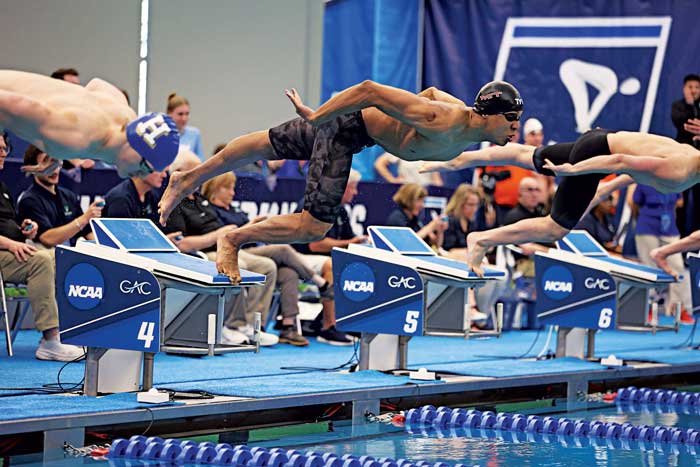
(489, 179)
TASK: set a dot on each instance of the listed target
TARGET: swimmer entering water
(92, 122)
(432, 125)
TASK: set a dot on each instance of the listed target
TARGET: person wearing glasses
(432, 125)
(91, 122)
(22, 263)
(56, 210)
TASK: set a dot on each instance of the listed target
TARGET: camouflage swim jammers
(329, 149)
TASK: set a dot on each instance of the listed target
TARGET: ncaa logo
(84, 286)
(557, 283)
(357, 282)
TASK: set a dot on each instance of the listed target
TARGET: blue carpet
(503, 368)
(287, 385)
(39, 406)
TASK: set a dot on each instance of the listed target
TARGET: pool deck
(229, 412)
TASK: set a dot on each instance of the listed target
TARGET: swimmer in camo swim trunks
(432, 125)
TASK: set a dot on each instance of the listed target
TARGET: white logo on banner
(577, 75)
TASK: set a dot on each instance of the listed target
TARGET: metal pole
(148, 361)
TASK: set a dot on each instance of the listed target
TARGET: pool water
(488, 448)
(493, 449)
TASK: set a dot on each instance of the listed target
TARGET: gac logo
(593, 283)
(405, 282)
(140, 288)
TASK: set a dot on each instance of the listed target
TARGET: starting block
(399, 288)
(694, 266)
(581, 288)
(112, 294)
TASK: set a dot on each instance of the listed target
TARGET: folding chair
(21, 309)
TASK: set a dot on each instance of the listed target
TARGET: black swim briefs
(329, 149)
(574, 194)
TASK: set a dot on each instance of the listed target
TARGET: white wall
(231, 58)
(99, 38)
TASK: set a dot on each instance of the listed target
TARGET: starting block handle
(654, 317)
(499, 318)
(211, 333)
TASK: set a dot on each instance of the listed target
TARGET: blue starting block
(112, 295)
(398, 288)
(694, 266)
(581, 288)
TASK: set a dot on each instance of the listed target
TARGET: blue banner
(370, 39)
(253, 194)
(577, 65)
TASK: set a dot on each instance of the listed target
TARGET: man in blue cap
(91, 122)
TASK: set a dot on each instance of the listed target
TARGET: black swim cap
(497, 97)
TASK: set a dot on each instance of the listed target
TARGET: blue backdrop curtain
(370, 39)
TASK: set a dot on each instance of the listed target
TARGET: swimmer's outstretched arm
(605, 189)
(511, 154)
(660, 255)
(613, 163)
(411, 109)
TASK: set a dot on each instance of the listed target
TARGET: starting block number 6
(605, 319)
(146, 333)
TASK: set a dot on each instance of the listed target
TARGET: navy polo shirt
(232, 216)
(51, 210)
(123, 201)
(194, 217)
(8, 225)
(399, 218)
(341, 230)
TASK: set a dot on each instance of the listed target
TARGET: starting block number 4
(146, 333)
(411, 325)
(605, 319)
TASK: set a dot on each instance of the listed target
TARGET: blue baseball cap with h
(155, 137)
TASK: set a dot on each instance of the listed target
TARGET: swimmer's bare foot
(227, 258)
(178, 188)
(661, 261)
(475, 253)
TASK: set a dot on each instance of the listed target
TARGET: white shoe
(266, 339)
(476, 315)
(56, 351)
(233, 337)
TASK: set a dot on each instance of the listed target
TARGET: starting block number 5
(605, 319)
(146, 333)
(411, 325)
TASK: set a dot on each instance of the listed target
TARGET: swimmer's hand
(45, 169)
(302, 110)
(434, 167)
(563, 169)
